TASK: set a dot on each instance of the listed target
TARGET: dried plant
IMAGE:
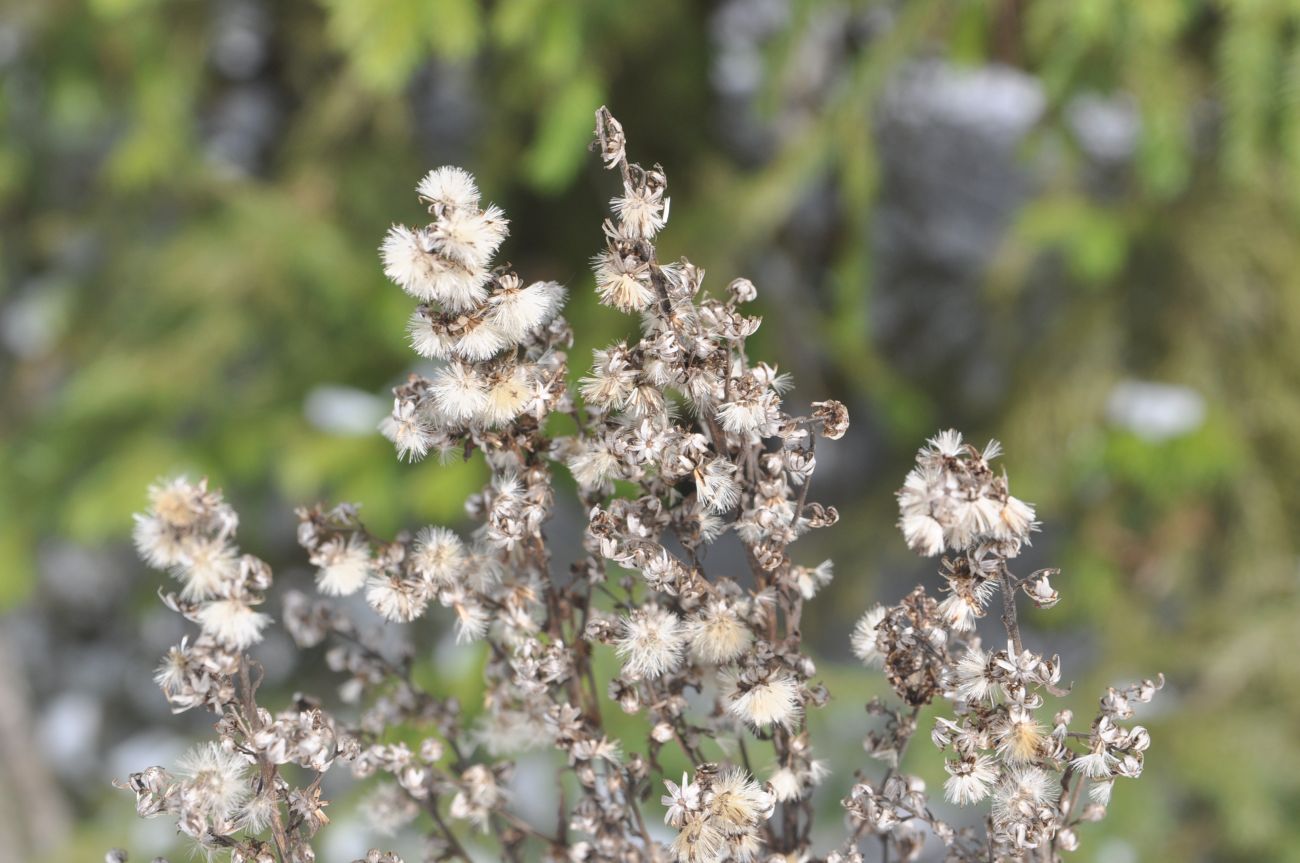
(678, 439)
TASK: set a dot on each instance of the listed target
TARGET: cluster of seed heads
(672, 441)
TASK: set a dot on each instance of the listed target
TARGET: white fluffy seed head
(395, 599)
(1020, 736)
(970, 779)
(439, 556)
(208, 567)
(959, 612)
(1023, 791)
(413, 262)
(923, 534)
(624, 287)
(214, 780)
(460, 393)
(773, 701)
(469, 237)
(641, 213)
(459, 288)
(594, 465)
(864, 639)
(428, 340)
(177, 502)
(410, 430)
(970, 677)
(716, 486)
(157, 544)
(507, 397)
(449, 186)
(718, 635)
(516, 312)
(344, 566)
(480, 341)
(408, 264)
(738, 803)
(652, 642)
(233, 622)
(785, 784)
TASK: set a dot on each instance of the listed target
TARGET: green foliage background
(188, 311)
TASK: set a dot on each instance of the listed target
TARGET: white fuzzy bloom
(344, 565)
(701, 841)
(428, 340)
(178, 503)
(395, 599)
(611, 379)
(716, 486)
(946, 443)
(507, 396)
(479, 341)
(785, 784)
(412, 262)
(864, 639)
(959, 612)
(718, 635)
(923, 534)
(773, 701)
(175, 667)
(472, 621)
(1015, 519)
(459, 289)
(1020, 736)
(409, 265)
(449, 186)
(750, 415)
(812, 579)
(971, 681)
(652, 642)
(645, 400)
(623, 284)
(641, 212)
(517, 312)
(214, 781)
(208, 567)
(460, 393)
(258, 813)
(439, 556)
(594, 465)
(469, 237)
(233, 622)
(1096, 764)
(158, 545)
(409, 430)
(1023, 793)
(969, 779)
(737, 803)
(479, 794)
(1100, 792)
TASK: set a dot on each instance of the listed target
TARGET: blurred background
(1071, 226)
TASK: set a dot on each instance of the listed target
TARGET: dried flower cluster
(676, 439)
(1032, 772)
